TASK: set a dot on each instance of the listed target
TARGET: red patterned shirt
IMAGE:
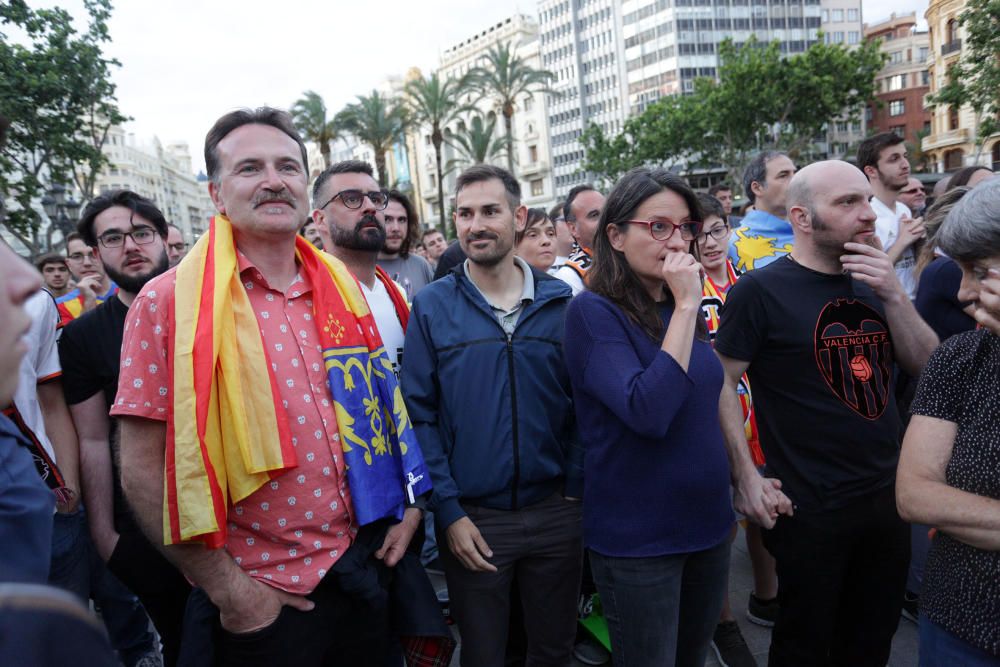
(292, 530)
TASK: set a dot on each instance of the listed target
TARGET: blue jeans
(940, 647)
(920, 544)
(662, 610)
(70, 569)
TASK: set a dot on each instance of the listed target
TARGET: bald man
(818, 331)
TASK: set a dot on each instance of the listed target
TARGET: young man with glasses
(129, 234)
(93, 287)
(581, 211)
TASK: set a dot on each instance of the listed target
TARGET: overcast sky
(185, 63)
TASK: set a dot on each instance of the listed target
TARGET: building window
(897, 108)
(853, 37)
(537, 188)
(897, 82)
(899, 131)
(528, 103)
(852, 14)
(837, 15)
(826, 16)
(532, 154)
(895, 57)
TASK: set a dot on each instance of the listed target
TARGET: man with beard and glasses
(350, 205)
(817, 332)
(130, 235)
(914, 196)
(488, 392)
(411, 271)
(883, 159)
(176, 245)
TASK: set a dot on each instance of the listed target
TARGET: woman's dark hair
(611, 276)
(934, 217)
(412, 222)
(711, 206)
(536, 216)
(962, 176)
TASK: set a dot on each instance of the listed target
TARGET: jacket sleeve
(421, 391)
(645, 398)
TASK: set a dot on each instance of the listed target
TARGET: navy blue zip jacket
(494, 416)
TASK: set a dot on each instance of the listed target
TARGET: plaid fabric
(428, 651)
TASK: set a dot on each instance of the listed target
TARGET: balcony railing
(951, 47)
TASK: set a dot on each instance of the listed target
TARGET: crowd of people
(266, 442)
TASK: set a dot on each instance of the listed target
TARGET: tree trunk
(508, 117)
(440, 178)
(324, 150)
(380, 166)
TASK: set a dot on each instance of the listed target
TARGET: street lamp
(63, 212)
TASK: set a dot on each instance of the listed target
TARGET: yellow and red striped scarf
(227, 432)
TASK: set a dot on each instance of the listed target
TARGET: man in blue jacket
(488, 392)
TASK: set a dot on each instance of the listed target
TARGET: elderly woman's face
(973, 275)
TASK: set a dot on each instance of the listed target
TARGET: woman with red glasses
(646, 383)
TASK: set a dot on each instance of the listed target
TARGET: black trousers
(160, 587)
(841, 578)
(538, 548)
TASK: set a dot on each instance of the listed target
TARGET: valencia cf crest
(854, 355)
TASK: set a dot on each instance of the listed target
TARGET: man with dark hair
(55, 273)
(883, 159)
(764, 234)
(413, 272)
(270, 462)
(581, 212)
(310, 232)
(484, 348)
(817, 332)
(358, 232)
(176, 245)
(435, 244)
(724, 194)
(130, 234)
(93, 287)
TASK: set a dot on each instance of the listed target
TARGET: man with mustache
(410, 270)
(262, 447)
(817, 331)
(130, 236)
(489, 396)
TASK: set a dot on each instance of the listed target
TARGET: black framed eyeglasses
(661, 230)
(718, 233)
(141, 235)
(356, 198)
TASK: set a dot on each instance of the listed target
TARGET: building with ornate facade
(162, 174)
(952, 142)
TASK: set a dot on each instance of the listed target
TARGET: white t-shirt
(887, 231)
(386, 320)
(569, 276)
(41, 363)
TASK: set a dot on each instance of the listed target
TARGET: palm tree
(309, 115)
(436, 102)
(475, 143)
(378, 121)
(505, 76)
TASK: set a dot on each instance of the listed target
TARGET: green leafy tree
(436, 102)
(56, 89)
(760, 100)
(310, 117)
(378, 121)
(975, 79)
(667, 132)
(475, 142)
(504, 77)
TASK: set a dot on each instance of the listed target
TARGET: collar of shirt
(887, 220)
(249, 271)
(527, 290)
